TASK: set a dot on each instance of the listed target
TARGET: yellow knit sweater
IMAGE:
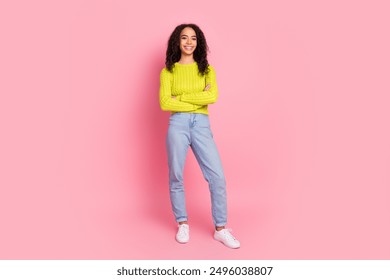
(183, 89)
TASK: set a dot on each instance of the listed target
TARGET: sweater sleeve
(167, 103)
(204, 97)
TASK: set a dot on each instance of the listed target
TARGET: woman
(187, 86)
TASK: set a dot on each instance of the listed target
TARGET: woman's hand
(207, 87)
(177, 97)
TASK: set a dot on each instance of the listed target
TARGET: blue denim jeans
(193, 130)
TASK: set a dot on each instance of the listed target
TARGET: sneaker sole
(182, 242)
(227, 245)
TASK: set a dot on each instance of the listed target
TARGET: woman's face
(187, 41)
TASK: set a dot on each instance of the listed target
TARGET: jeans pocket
(178, 119)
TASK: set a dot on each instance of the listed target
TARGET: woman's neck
(186, 60)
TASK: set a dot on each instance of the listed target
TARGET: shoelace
(182, 230)
(227, 233)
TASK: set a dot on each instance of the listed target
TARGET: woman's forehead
(188, 31)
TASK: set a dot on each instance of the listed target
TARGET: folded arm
(167, 103)
(204, 97)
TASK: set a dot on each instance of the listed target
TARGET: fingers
(207, 87)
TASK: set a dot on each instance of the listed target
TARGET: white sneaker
(227, 238)
(183, 233)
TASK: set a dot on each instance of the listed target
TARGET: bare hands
(207, 87)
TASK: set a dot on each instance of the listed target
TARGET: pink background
(302, 125)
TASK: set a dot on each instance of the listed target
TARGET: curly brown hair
(173, 53)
